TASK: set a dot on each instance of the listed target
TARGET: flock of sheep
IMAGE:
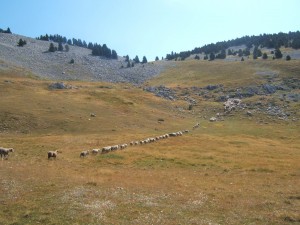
(112, 148)
(4, 152)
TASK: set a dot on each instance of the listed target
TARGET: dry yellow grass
(231, 172)
(231, 74)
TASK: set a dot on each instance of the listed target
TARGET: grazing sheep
(5, 151)
(136, 143)
(95, 151)
(114, 147)
(167, 135)
(52, 154)
(185, 131)
(131, 143)
(172, 134)
(84, 153)
(196, 126)
(179, 133)
(106, 149)
(152, 139)
(123, 146)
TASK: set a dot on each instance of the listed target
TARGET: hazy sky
(150, 27)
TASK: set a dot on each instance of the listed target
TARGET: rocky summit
(76, 64)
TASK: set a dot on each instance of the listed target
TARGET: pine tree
(51, 48)
(21, 43)
(240, 53)
(144, 60)
(114, 54)
(60, 47)
(69, 42)
(136, 59)
(255, 52)
(212, 56)
(265, 56)
(197, 57)
(259, 53)
(8, 31)
(278, 54)
(90, 45)
(156, 58)
(67, 48)
(288, 58)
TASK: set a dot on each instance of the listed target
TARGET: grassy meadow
(235, 171)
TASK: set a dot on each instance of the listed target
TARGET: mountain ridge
(35, 57)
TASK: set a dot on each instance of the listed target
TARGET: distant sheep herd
(4, 152)
(113, 148)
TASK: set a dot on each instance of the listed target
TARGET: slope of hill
(242, 168)
(234, 171)
(34, 57)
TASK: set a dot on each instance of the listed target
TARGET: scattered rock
(162, 91)
(249, 113)
(270, 89)
(58, 85)
(231, 104)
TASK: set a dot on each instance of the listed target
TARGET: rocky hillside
(35, 57)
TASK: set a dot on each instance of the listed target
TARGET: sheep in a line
(172, 134)
(95, 151)
(114, 147)
(52, 154)
(5, 151)
(152, 140)
(123, 146)
(179, 133)
(84, 153)
(106, 149)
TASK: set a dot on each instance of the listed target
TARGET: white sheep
(172, 134)
(106, 149)
(152, 139)
(52, 154)
(5, 151)
(84, 153)
(114, 147)
(136, 143)
(123, 146)
(95, 151)
(196, 126)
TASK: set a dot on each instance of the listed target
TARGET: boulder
(58, 85)
(249, 113)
